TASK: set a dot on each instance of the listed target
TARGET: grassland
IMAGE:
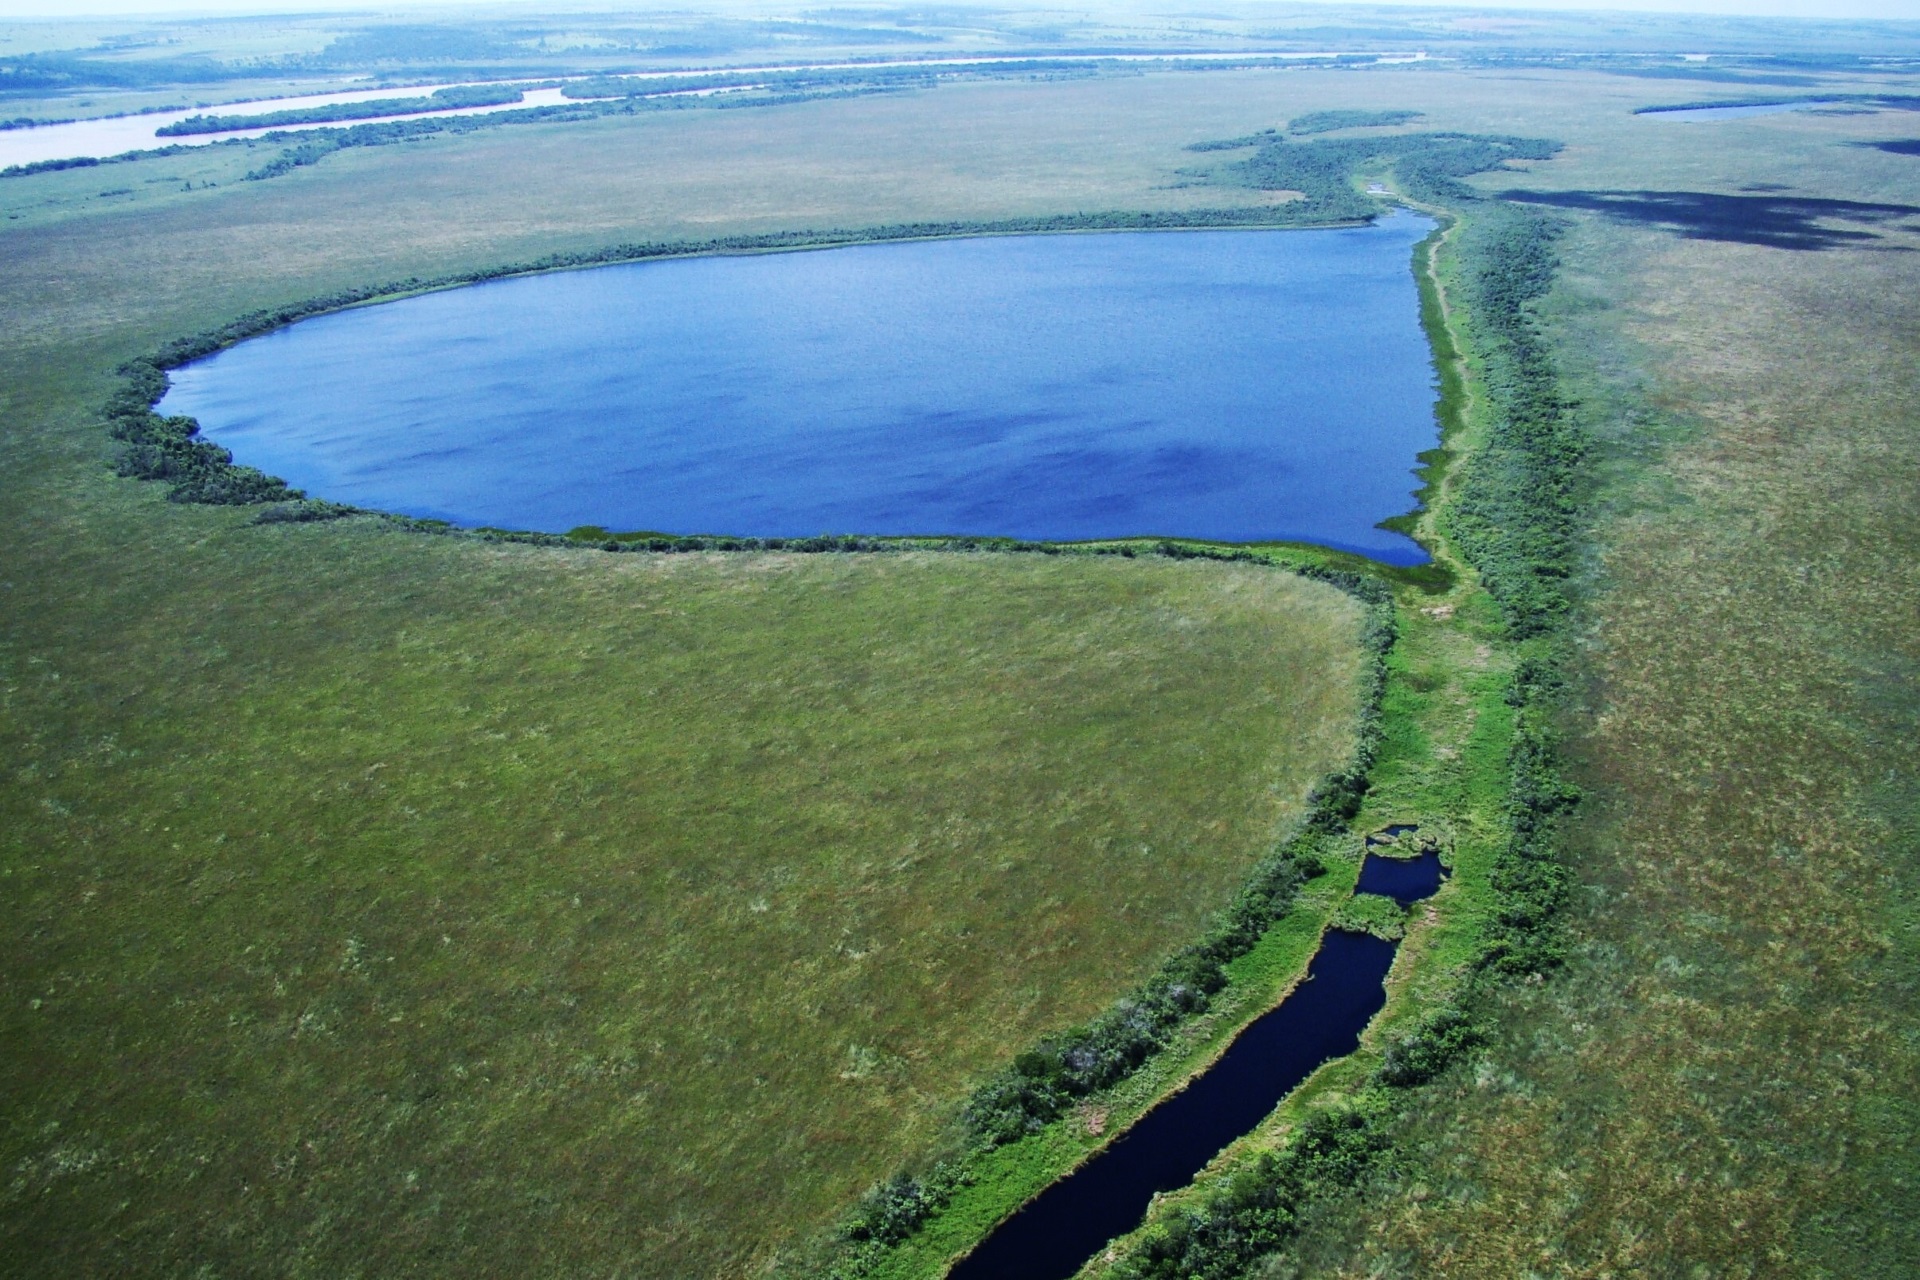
(635, 909)
(1718, 1080)
(1721, 1080)
(1742, 737)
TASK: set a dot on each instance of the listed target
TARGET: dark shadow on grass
(1779, 222)
(1898, 146)
(1709, 76)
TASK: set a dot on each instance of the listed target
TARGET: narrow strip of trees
(454, 96)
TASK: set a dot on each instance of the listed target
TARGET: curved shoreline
(170, 447)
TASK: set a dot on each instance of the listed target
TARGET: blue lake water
(1235, 385)
(1405, 880)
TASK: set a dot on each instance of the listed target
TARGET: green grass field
(760, 863)
(368, 893)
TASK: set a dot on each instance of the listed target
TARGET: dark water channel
(1233, 385)
(1054, 1235)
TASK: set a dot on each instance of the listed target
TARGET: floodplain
(234, 739)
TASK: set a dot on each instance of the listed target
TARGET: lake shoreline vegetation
(1483, 494)
(1322, 171)
(453, 96)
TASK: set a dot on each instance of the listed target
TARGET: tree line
(467, 95)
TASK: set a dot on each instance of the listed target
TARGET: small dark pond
(1237, 385)
(1405, 880)
(1058, 1230)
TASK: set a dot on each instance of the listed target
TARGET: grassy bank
(1467, 754)
(1713, 1079)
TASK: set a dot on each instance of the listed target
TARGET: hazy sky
(1908, 9)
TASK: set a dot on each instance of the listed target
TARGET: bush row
(622, 95)
(1517, 517)
(1324, 170)
(170, 449)
(1895, 101)
(1330, 121)
(471, 95)
(88, 162)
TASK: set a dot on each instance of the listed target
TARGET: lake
(1232, 385)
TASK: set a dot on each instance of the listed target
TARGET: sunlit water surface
(1235, 385)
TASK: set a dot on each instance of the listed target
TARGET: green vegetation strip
(1892, 101)
(454, 96)
(1023, 1128)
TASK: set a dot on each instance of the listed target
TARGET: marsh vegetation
(764, 865)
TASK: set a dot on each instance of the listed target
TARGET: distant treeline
(616, 95)
(1311, 123)
(1324, 170)
(475, 95)
(425, 49)
(88, 162)
(1328, 121)
(1889, 101)
(629, 95)
(912, 75)
(39, 74)
(310, 147)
